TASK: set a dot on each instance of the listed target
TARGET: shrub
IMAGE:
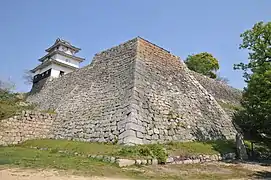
(7, 110)
(127, 151)
(144, 151)
(159, 152)
(11, 103)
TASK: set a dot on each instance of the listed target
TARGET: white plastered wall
(66, 60)
(55, 70)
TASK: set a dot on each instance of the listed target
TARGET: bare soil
(243, 171)
(34, 174)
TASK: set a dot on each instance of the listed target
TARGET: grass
(74, 146)
(31, 158)
(141, 151)
(195, 148)
(134, 152)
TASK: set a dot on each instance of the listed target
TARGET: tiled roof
(63, 42)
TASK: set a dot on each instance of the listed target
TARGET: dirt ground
(34, 174)
(27, 174)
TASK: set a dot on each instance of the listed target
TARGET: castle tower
(59, 60)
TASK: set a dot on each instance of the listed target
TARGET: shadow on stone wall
(37, 87)
(202, 135)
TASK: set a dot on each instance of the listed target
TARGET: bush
(7, 110)
(159, 152)
(8, 98)
(144, 151)
(10, 104)
(127, 151)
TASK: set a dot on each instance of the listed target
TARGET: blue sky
(28, 27)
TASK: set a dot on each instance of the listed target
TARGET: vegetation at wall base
(18, 156)
(24, 157)
(258, 150)
(158, 151)
(196, 148)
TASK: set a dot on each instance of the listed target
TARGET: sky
(28, 27)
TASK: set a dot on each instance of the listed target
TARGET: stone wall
(219, 90)
(93, 102)
(169, 104)
(133, 93)
(25, 126)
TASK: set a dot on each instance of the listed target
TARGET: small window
(61, 73)
(67, 60)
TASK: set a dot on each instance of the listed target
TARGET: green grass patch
(86, 148)
(196, 148)
(74, 146)
(31, 158)
(159, 151)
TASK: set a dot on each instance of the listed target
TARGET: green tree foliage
(5, 90)
(11, 102)
(255, 119)
(204, 63)
(6, 100)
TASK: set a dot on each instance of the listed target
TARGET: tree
(222, 79)
(28, 77)
(203, 63)
(255, 119)
(6, 86)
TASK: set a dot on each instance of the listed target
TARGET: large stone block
(135, 127)
(127, 133)
(125, 162)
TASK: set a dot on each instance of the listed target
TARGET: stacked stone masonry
(26, 126)
(219, 90)
(134, 93)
